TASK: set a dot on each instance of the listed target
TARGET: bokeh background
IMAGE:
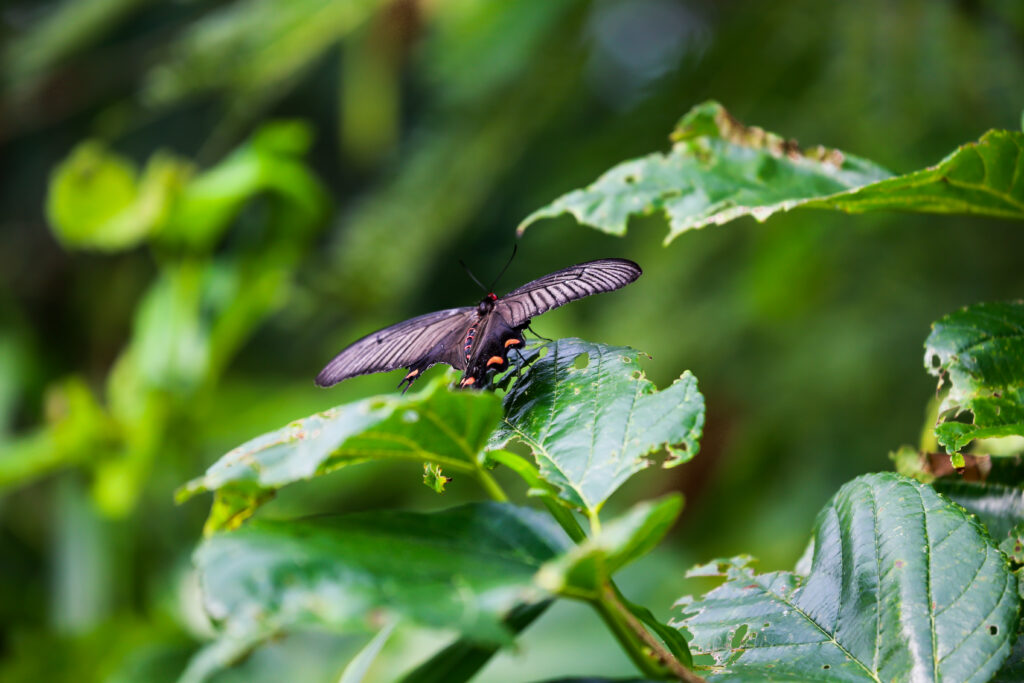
(292, 175)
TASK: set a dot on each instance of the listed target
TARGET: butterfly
(474, 339)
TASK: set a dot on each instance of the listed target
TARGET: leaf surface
(463, 568)
(903, 586)
(435, 425)
(592, 427)
(719, 170)
(979, 351)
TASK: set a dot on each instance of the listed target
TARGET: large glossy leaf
(719, 170)
(592, 419)
(999, 507)
(904, 586)
(436, 425)
(463, 568)
(979, 351)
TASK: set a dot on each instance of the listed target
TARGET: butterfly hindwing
(416, 344)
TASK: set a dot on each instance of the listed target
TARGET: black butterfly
(474, 339)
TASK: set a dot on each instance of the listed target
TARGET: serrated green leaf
(589, 565)
(433, 478)
(979, 352)
(435, 425)
(463, 568)
(719, 170)
(591, 428)
(904, 586)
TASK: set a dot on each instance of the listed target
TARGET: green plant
(908, 576)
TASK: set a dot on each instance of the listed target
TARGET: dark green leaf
(979, 351)
(435, 425)
(998, 506)
(719, 170)
(591, 418)
(903, 586)
(463, 568)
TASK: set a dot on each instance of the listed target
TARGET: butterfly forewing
(420, 342)
(563, 286)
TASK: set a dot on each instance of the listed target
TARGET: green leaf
(591, 418)
(1013, 544)
(356, 670)
(433, 478)
(463, 568)
(979, 352)
(96, 200)
(270, 162)
(903, 586)
(999, 507)
(719, 170)
(435, 425)
(587, 567)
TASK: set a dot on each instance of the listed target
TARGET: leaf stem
(627, 638)
(650, 647)
(491, 486)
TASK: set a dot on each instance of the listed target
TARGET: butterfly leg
(414, 373)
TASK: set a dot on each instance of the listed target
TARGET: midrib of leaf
(539, 448)
(878, 570)
(928, 588)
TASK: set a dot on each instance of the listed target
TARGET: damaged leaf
(435, 425)
(592, 419)
(978, 352)
(903, 586)
(719, 170)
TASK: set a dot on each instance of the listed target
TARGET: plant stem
(629, 641)
(610, 601)
(493, 490)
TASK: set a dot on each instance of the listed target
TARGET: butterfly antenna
(515, 248)
(473, 277)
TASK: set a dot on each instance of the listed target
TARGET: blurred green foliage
(431, 129)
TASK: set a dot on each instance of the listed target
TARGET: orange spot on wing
(495, 360)
(512, 342)
(412, 374)
(466, 382)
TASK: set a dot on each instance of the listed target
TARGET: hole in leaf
(826, 666)
(636, 374)
(737, 638)
(993, 629)
(935, 361)
(630, 179)
(582, 361)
